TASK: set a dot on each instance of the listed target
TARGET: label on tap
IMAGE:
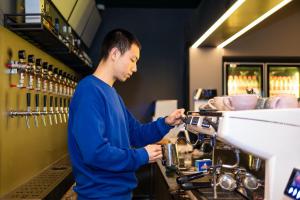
(21, 80)
(50, 86)
(30, 82)
(56, 88)
(60, 89)
(45, 86)
(38, 83)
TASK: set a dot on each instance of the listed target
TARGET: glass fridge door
(243, 78)
(283, 79)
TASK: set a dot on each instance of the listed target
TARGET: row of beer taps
(57, 113)
(34, 74)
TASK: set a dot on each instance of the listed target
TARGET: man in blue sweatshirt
(102, 132)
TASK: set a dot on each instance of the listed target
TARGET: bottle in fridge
(283, 79)
(243, 78)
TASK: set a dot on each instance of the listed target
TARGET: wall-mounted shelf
(43, 35)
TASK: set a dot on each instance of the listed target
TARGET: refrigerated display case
(243, 78)
(283, 78)
(265, 78)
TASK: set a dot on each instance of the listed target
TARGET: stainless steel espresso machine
(269, 134)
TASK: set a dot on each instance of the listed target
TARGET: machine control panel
(292, 189)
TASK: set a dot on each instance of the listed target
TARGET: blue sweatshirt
(101, 134)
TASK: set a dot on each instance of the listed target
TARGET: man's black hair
(119, 38)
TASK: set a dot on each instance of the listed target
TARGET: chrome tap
(37, 110)
(57, 110)
(44, 110)
(28, 113)
(51, 112)
(62, 112)
(66, 109)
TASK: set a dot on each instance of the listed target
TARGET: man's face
(125, 65)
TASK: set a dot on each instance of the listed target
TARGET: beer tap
(62, 109)
(52, 111)
(68, 85)
(31, 71)
(66, 108)
(45, 76)
(38, 74)
(37, 110)
(45, 111)
(55, 80)
(71, 85)
(64, 83)
(50, 78)
(56, 109)
(59, 80)
(28, 113)
(22, 67)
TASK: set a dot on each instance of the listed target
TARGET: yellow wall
(24, 152)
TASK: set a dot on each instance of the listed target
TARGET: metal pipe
(237, 155)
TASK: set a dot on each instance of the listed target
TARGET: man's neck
(104, 72)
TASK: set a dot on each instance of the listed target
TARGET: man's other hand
(175, 118)
(154, 152)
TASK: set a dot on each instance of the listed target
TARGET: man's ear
(115, 53)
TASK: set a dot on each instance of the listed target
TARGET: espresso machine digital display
(293, 187)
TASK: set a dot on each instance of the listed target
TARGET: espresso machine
(270, 134)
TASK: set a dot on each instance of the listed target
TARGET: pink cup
(282, 101)
(242, 102)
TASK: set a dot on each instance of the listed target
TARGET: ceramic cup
(242, 102)
(219, 103)
(282, 101)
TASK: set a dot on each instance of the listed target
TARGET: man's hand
(175, 118)
(154, 152)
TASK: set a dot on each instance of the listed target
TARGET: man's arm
(144, 134)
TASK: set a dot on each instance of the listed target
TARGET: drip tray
(208, 194)
(40, 186)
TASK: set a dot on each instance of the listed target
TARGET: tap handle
(51, 101)
(60, 102)
(37, 98)
(65, 103)
(28, 97)
(38, 62)
(69, 102)
(31, 58)
(55, 102)
(21, 54)
(45, 100)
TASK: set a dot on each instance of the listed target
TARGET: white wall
(278, 36)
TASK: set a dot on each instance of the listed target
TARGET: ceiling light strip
(227, 14)
(254, 23)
